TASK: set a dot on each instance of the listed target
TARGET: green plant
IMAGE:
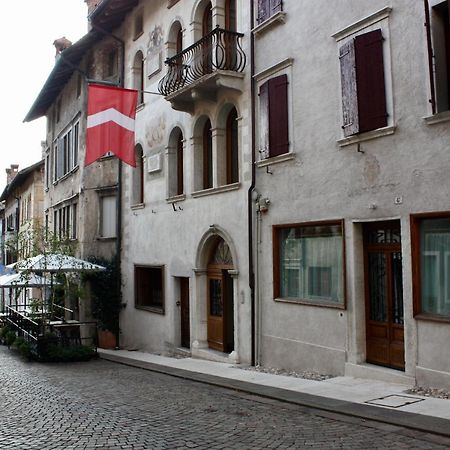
(56, 353)
(23, 346)
(10, 337)
(3, 330)
(106, 294)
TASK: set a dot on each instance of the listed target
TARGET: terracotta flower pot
(106, 339)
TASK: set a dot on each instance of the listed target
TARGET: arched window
(138, 177)
(138, 76)
(232, 143)
(230, 15)
(175, 163)
(207, 156)
(180, 172)
(207, 27)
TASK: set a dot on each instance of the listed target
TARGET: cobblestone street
(104, 405)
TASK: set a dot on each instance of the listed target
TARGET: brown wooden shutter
(263, 10)
(276, 6)
(264, 120)
(430, 55)
(349, 89)
(278, 116)
(370, 81)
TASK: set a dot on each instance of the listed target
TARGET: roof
(19, 178)
(107, 16)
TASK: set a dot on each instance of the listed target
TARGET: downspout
(119, 179)
(251, 272)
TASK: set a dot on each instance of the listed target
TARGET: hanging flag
(110, 123)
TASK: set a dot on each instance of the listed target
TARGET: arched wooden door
(220, 299)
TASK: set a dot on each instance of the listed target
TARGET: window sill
(310, 303)
(216, 190)
(138, 35)
(432, 317)
(100, 238)
(66, 175)
(279, 17)
(152, 309)
(369, 135)
(137, 206)
(441, 117)
(276, 159)
(176, 198)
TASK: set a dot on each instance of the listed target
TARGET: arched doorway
(220, 301)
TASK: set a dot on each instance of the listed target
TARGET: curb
(413, 421)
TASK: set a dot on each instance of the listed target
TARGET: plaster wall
(390, 176)
(169, 233)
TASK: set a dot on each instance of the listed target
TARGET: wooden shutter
(278, 116)
(370, 81)
(349, 89)
(263, 10)
(276, 6)
(430, 56)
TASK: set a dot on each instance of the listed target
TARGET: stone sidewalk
(372, 400)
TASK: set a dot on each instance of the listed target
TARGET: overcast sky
(28, 30)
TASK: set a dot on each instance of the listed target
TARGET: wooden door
(216, 313)
(185, 317)
(384, 294)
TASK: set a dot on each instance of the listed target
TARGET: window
(309, 263)
(65, 221)
(111, 64)
(437, 21)
(149, 288)
(179, 156)
(108, 216)
(207, 156)
(138, 177)
(362, 83)
(138, 76)
(431, 264)
(65, 152)
(138, 25)
(267, 8)
(232, 148)
(47, 170)
(274, 117)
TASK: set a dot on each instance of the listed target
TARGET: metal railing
(218, 50)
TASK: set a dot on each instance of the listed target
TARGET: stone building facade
(353, 251)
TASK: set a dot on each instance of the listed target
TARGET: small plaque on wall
(154, 63)
(154, 163)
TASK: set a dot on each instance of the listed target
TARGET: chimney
(61, 44)
(11, 173)
(91, 4)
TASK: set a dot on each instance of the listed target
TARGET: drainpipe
(119, 175)
(251, 272)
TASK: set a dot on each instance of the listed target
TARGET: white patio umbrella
(22, 279)
(55, 262)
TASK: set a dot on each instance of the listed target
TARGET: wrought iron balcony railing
(219, 50)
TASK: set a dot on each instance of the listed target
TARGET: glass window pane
(435, 265)
(311, 263)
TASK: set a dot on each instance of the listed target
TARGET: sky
(28, 30)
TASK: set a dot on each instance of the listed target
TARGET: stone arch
(138, 75)
(208, 243)
(175, 29)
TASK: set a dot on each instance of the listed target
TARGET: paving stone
(103, 405)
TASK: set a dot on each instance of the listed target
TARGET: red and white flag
(110, 123)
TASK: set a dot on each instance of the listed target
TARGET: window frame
(102, 196)
(276, 264)
(415, 221)
(151, 308)
(66, 151)
(377, 20)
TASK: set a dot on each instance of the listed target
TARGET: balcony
(213, 63)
